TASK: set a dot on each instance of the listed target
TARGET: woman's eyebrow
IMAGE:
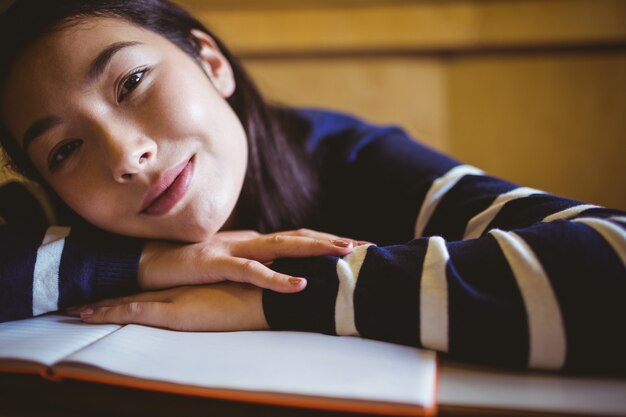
(96, 68)
(99, 64)
(39, 128)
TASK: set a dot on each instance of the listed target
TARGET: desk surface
(29, 395)
(466, 386)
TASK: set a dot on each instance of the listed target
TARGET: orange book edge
(271, 398)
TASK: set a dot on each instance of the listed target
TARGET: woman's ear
(215, 64)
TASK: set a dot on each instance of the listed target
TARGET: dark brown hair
(280, 186)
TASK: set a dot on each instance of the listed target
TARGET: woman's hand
(241, 256)
(227, 306)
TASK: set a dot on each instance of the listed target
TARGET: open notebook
(285, 368)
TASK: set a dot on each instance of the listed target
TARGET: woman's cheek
(182, 104)
(87, 196)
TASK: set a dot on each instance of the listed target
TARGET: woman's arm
(58, 267)
(220, 307)
(45, 269)
(44, 272)
(548, 296)
(496, 273)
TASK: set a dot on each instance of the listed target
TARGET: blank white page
(47, 339)
(265, 361)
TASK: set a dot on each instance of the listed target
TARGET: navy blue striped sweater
(466, 264)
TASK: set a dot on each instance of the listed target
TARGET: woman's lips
(170, 189)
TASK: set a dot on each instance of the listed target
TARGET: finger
(268, 248)
(308, 233)
(322, 235)
(162, 296)
(76, 310)
(148, 313)
(254, 272)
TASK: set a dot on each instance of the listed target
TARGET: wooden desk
(27, 395)
(481, 391)
(32, 396)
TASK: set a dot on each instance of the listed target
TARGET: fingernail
(295, 281)
(342, 243)
(86, 313)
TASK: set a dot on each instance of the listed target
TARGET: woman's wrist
(254, 313)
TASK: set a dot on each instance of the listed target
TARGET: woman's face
(129, 130)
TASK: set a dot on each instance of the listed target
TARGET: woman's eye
(130, 83)
(62, 152)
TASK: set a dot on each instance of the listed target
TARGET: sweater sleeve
(495, 274)
(44, 269)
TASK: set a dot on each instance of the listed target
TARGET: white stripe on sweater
(46, 274)
(434, 296)
(613, 234)
(568, 213)
(477, 225)
(545, 322)
(348, 270)
(437, 190)
(621, 219)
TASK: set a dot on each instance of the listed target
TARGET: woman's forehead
(62, 60)
(86, 37)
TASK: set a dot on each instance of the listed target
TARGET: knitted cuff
(312, 309)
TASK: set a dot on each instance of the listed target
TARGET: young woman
(140, 120)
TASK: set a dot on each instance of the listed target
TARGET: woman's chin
(183, 232)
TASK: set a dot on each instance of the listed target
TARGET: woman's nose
(129, 157)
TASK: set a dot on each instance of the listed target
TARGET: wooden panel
(451, 25)
(369, 29)
(555, 22)
(408, 92)
(300, 4)
(557, 123)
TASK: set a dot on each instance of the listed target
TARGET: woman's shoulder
(330, 118)
(349, 138)
(330, 123)
(345, 133)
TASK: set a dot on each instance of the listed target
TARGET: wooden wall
(530, 90)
